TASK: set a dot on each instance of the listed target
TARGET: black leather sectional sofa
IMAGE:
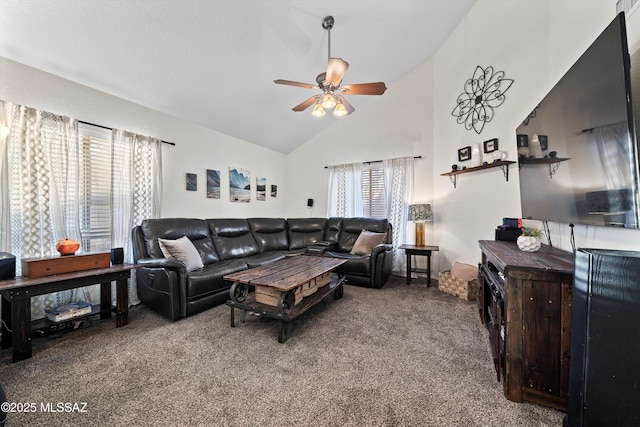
(229, 245)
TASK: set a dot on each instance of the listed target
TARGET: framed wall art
(192, 182)
(261, 189)
(239, 185)
(464, 154)
(274, 190)
(544, 142)
(213, 184)
(491, 145)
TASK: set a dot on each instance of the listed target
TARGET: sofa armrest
(161, 284)
(170, 263)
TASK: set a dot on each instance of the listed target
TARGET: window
(373, 197)
(95, 188)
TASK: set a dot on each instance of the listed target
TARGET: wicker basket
(464, 289)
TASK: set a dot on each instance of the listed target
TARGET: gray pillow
(183, 250)
(367, 240)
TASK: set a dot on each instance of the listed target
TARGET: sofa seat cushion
(358, 264)
(263, 258)
(210, 278)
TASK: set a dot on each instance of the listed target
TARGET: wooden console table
(524, 300)
(16, 301)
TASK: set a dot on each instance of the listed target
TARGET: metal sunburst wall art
(482, 94)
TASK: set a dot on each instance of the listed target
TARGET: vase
(528, 243)
(535, 149)
(476, 156)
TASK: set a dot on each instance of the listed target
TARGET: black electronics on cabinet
(7, 266)
(604, 378)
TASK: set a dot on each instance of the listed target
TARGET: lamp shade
(420, 212)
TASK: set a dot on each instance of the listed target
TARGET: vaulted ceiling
(213, 62)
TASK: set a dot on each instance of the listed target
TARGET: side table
(418, 251)
(16, 301)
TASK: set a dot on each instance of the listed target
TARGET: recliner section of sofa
(230, 245)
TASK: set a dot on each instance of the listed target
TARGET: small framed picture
(491, 145)
(464, 154)
(523, 140)
(544, 142)
(192, 182)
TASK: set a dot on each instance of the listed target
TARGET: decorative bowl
(67, 246)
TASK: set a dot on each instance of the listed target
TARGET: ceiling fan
(330, 82)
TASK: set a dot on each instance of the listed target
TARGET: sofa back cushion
(270, 233)
(305, 232)
(196, 230)
(351, 228)
(232, 238)
(332, 232)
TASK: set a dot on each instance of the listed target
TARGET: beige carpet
(397, 356)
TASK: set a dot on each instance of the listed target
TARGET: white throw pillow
(183, 250)
(367, 240)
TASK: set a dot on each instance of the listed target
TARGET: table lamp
(419, 214)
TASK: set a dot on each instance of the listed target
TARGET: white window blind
(373, 197)
(95, 188)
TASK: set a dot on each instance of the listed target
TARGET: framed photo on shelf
(490, 145)
(544, 142)
(523, 140)
(464, 153)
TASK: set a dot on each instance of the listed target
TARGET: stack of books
(68, 311)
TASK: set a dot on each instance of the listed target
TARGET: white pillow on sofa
(183, 250)
(367, 240)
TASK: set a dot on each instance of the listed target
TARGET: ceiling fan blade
(348, 106)
(335, 71)
(292, 83)
(305, 104)
(377, 88)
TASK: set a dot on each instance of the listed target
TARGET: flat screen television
(577, 151)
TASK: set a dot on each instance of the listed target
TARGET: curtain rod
(108, 128)
(376, 161)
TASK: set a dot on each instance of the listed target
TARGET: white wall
(197, 148)
(534, 42)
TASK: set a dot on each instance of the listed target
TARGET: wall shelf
(503, 164)
(552, 162)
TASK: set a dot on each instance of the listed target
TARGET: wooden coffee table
(286, 280)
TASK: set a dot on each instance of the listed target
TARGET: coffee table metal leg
(284, 335)
(233, 320)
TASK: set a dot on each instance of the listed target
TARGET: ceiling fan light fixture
(328, 101)
(318, 111)
(340, 110)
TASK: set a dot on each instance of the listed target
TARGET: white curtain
(42, 171)
(398, 182)
(41, 159)
(345, 196)
(136, 190)
(345, 191)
